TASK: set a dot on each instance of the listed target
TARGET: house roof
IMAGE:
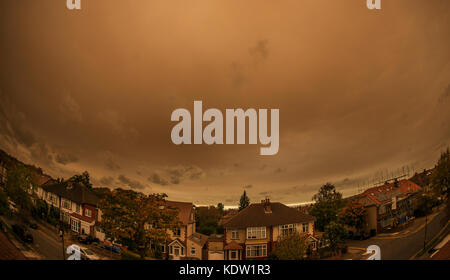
(380, 194)
(186, 210)
(73, 191)
(198, 238)
(233, 246)
(254, 215)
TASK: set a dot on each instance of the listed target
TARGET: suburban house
(253, 232)
(184, 242)
(77, 204)
(389, 205)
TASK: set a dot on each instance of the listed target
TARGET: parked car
(87, 239)
(112, 247)
(87, 254)
(22, 233)
(33, 225)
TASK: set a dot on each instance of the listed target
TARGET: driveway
(404, 246)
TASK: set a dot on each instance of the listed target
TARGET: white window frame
(305, 225)
(75, 225)
(287, 229)
(254, 251)
(234, 234)
(256, 233)
(88, 212)
(66, 204)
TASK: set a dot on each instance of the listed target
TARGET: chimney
(267, 206)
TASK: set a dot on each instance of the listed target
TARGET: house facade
(389, 205)
(254, 232)
(78, 206)
(184, 242)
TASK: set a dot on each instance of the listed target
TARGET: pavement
(407, 243)
(8, 251)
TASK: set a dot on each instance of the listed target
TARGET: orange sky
(360, 92)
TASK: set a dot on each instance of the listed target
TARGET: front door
(234, 255)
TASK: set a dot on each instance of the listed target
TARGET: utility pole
(61, 233)
(425, 238)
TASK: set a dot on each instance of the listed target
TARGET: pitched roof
(380, 194)
(185, 214)
(233, 246)
(198, 238)
(254, 215)
(73, 191)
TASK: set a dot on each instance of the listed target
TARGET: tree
(425, 203)
(244, 201)
(291, 247)
(440, 178)
(140, 218)
(221, 208)
(19, 185)
(327, 204)
(83, 178)
(335, 235)
(353, 215)
(207, 219)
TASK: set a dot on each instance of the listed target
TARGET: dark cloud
(131, 183)
(111, 164)
(65, 158)
(156, 179)
(107, 181)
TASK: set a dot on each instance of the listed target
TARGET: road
(47, 243)
(403, 248)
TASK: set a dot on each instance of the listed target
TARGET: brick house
(389, 205)
(253, 232)
(184, 242)
(77, 204)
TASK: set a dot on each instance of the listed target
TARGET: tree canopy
(292, 247)
(82, 178)
(127, 214)
(327, 204)
(353, 215)
(244, 201)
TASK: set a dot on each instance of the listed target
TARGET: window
(75, 225)
(305, 227)
(78, 208)
(287, 229)
(163, 248)
(256, 232)
(257, 250)
(234, 234)
(192, 251)
(177, 232)
(66, 204)
(88, 213)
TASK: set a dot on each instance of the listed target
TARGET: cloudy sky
(362, 94)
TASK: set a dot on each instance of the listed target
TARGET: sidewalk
(416, 226)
